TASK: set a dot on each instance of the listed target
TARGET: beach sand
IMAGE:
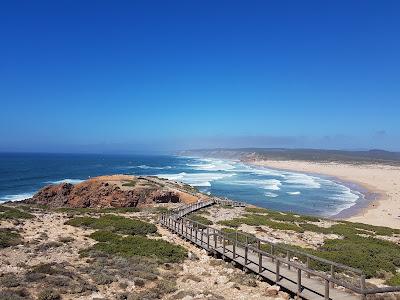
(378, 179)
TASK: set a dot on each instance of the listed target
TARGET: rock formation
(107, 191)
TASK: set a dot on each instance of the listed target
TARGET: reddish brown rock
(104, 191)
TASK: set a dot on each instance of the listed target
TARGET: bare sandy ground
(376, 178)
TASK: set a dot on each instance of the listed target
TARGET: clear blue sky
(163, 75)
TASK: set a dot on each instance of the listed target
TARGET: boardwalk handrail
(177, 222)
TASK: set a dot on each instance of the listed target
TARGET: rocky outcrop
(103, 192)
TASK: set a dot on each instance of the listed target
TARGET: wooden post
(201, 236)
(288, 259)
(326, 289)
(272, 252)
(259, 257)
(223, 245)
(277, 271)
(208, 238)
(195, 227)
(362, 282)
(215, 240)
(234, 249)
(298, 282)
(246, 250)
(332, 276)
(308, 266)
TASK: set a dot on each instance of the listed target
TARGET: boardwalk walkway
(264, 259)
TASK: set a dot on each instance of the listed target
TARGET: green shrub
(13, 294)
(200, 219)
(258, 220)
(378, 230)
(256, 210)
(115, 224)
(366, 253)
(49, 295)
(130, 183)
(190, 189)
(132, 246)
(230, 232)
(13, 213)
(394, 281)
(104, 236)
(9, 238)
(118, 210)
(10, 280)
(103, 279)
(279, 216)
(160, 209)
(161, 288)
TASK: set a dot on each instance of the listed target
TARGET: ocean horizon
(22, 175)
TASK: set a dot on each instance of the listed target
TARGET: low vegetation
(85, 210)
(200, 219)
(279, 216)
(258, 220)
(111, 242)
(114, 223)
(131, 246)
(359, 245)
(395, 280)
(130, 183)
(190, 189)
(9, 238)
(7, 212)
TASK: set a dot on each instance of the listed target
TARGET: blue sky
(163, 75)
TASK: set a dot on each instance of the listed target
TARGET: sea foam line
(16, 197)
(66, 180)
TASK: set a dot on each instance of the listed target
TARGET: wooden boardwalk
(264, 259)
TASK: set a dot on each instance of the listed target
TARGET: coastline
(381, 203)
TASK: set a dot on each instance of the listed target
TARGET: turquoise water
(21, 175)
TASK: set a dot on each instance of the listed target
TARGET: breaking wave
(272, 195)
(16, 197)
(66, 180)
(302, 181)
(196, 179)
(294, 193)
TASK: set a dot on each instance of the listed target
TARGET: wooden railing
(251, 251)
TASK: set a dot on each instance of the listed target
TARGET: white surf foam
(16, 197)
(66, 180)
(269, 194)
(207, 164)
(155, 168)
(294, 193)
(267, 184)
(145, 167)
(302, 181)
(344, 198)
(196, 179)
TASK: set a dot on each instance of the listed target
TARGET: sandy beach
(381, 180)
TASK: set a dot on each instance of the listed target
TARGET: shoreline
(381, 203)
(368, 196)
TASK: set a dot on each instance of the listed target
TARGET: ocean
(21, 175)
